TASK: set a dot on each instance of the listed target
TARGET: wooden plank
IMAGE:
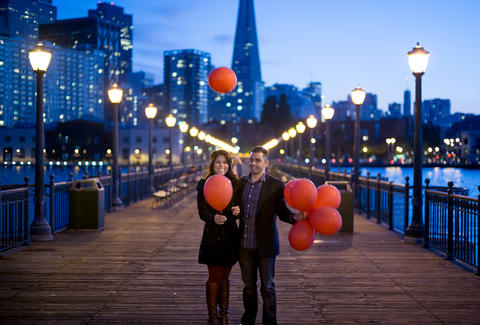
(143, 269)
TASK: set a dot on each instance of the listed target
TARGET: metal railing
(451, 218)
(16, 202)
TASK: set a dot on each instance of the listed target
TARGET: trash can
(346, 206)
(87, 204)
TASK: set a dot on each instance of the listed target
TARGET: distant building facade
(185, 84)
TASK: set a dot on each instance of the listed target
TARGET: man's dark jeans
(250, 261)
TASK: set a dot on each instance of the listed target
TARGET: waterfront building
(300, 102)
(186, 86)
(434, 110)
(73, 84)
(19, 19)
(394, 110)
(17, 145)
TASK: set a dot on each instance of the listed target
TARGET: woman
(220, 241)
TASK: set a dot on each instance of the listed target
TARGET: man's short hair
(262, 150)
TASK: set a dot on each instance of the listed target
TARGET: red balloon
(301, 235)
(327, 195)
(325, 220)
(218, 191)
(222, 80)
(303, 194)
(286, 191)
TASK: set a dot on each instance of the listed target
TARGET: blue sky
(340, 43)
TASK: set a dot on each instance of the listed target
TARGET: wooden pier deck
(143, 269)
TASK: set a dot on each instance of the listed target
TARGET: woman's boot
(212, 293)
(223, 303)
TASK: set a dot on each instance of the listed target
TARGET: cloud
(223, 38)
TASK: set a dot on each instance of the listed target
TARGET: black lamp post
(40, 229)
(115, 95)
(292, 133)
(327, 113)
(300, 127)
(418, 61)
(193, 133)
(170, 120)
(311, 123)
(150, 112)
(183, 126)
(358, 96)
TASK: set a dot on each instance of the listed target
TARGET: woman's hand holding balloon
(219, 219)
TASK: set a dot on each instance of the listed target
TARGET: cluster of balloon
(321, 204)
(218, 192)
(222, 80)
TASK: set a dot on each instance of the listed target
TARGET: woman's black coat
(220, 243)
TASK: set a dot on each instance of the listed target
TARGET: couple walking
(257, 201)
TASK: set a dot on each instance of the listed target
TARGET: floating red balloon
(327, 195)
(287, 190)
(218, 191)
(301, 235)
(222, 80)
(325, 220)
(303, 194)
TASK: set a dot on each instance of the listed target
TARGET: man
(261, 200)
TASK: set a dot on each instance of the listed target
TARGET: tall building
(73, 87)
(20, 19)
(407, 103)
(300, 102)
(186, 87)
(246, 64)
(434, 110)
(107, 29)
(115, 15)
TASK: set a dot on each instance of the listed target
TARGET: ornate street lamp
(115, 95)
(327, 113)
(300, 127)
(292, 133)
(418, 61)
(151, 113)
(170, 120)
(358, 96)
(40, 229)
(183, 126)
(311, 123)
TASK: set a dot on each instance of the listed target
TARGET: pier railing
(451, 218)
(16, 202)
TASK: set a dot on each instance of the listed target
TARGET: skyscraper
(186, 88)
(19, 19)
(406, 103)
(249, 94)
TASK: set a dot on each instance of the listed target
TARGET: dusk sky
(339, 43)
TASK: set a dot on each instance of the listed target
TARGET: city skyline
(447, 30)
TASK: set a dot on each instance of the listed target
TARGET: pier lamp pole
(300, 127)
(40, 229)
(311, 123)
(170, 120)
(358, 96)
(183, 126)
(418, 61)
(115, 95)
(193, 133)
(327, 113)
(293, 133)
(151, 113)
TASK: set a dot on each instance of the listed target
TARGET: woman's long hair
(229, 174)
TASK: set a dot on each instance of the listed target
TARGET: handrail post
(368, 196)
(390, 206)
(478, 232)
(85, 175)
(426, 242)
(52, 197)
(450, 222)
(377, 198)
(406, 199)
(70, 177)
(26, 217)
